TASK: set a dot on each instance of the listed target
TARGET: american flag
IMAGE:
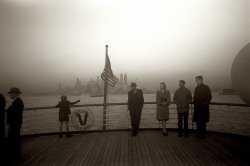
(111, 78)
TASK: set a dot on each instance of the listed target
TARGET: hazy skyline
(46, 42)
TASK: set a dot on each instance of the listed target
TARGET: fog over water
(46, 42)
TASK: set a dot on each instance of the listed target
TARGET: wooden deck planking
(130, 152)
(139, 151)
(98, 151)
(113, 152)
(147, 152)
(122, 145)
(186, 150)
(82, 151)
(168, 148)
(89, 149)
(99, 157)
(143, 151)
(79, 144)
(190, 146)
(151, 149)
(223, 153)
(166, 153)
(158, 153)
(57, 154)
(199, 152)
(36, 147)
(216, 151)
(204, 149)
(119, 148)
(43, 152)
(94, 150)
(126, 151)
(136, 152)
(108, 155)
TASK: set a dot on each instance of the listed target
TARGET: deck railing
(224, 117)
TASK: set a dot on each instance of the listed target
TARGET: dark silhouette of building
(78, 90)
(60, 90)
(125, 79)
(121, 79)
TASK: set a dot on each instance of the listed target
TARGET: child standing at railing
(64, 111)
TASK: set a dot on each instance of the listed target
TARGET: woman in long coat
(163, 100)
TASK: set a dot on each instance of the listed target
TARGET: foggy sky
(46, 42)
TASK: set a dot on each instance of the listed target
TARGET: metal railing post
(192, 116)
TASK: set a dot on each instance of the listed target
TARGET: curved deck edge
(231, 135)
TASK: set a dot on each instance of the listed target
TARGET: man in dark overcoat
(2, 128)
(14, 120)
(202, 98)
(2, 117)
(135, 105)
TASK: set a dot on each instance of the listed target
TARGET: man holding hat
(135, 105)
(14, 120)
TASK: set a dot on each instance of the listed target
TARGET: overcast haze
(46, 42)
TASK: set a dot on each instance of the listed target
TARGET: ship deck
(148, 148)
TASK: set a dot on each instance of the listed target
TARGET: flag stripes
(111, 78)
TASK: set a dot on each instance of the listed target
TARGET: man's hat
(14, 90)
(199, 77)
(133, 84)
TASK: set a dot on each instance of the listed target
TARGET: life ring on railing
(82, 119)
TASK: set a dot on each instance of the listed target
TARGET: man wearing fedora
(135, 105)
(14, 120)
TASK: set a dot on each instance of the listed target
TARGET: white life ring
(82, 119)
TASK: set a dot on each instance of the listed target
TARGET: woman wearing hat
(163, 99)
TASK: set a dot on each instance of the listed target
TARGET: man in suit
(202, 97)
(14, 120)
(135, 105)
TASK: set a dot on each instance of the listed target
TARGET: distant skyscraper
(60, 86)
(125, 79)
(97, 80)
(60, 90)
(121, 79)
(77, 84)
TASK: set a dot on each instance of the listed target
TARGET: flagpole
(105, 91)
